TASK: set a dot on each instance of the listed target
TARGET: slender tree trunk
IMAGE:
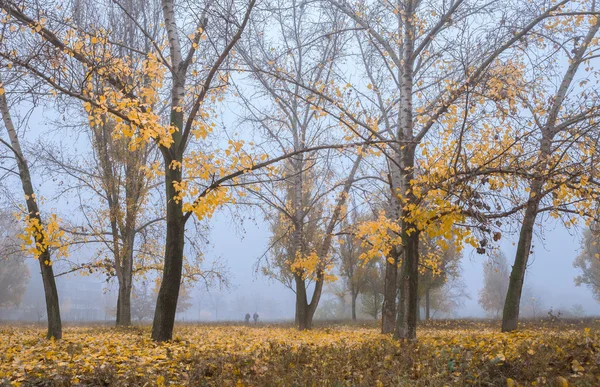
(44, 259)
(354, 297)
(402, 292)
(388, 309)
(118, 315)
(510, 316)
(418, 310)
(427, 306)
(166, 303)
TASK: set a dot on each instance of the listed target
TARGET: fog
(238, 236)
(90, 298)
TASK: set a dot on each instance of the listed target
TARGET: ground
(453, 353)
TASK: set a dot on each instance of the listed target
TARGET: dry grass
(449, 352)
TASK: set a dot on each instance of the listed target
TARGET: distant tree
(588, 262)
(14, 273)
(577, 310)
(144, 301)
(449, 297)
(184, 302)
(372, 295)
(217, 302)
(495, 284)
(446, 262)
(353, 270)
(532, 304)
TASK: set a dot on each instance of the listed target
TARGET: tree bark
(510, 317)
(124, 305)
(44, 259)
(166, 303)
(304, 323)
(388, 309)
(354, 297)
(406, 327)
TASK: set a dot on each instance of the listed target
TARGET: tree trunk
(406, 327)
(510, 317)
(126, 280)
(166, 303)
(354, 297)
(388, 309)
(427, 306)
(124, 305)
(302, 304)
(44, 259)
(418, 310)
(402, 291)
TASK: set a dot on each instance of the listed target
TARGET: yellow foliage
(37, 237)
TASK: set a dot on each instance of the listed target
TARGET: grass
(448, 352)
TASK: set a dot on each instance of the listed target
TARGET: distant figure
(247, 318)
(255, 317)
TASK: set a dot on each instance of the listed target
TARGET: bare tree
(495, 284)
(354, 270)
(14, 273)
(299, 195)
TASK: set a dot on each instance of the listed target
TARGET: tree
(143, 301)
(441, 265)
(184, 302)
(299, 196)
(495, 284)
(39, 235)
(565, 114)
(354, 270)
(450, 297)
(372, 296)
(588, 262)
(417, 76)
(14, 273)
(111, 181)
(532, 303)
(577, 311)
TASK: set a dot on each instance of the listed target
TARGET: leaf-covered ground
(447, 353)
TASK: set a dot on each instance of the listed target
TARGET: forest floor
(448, 352)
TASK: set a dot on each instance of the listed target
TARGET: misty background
(238, 236)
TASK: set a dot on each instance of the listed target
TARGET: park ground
(448, 352)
